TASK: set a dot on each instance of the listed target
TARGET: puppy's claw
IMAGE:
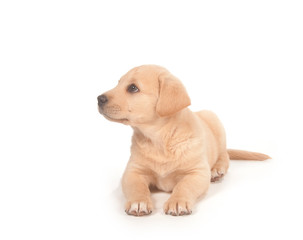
(177, 208)
(138, 208)
(217, 174)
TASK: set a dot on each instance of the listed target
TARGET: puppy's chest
(165, 172)
(156, 153)
(167, 162)
(161, 161)
(162, 151)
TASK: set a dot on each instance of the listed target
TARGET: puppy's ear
(172, 95)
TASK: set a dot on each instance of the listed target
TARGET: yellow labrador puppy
(173, 149)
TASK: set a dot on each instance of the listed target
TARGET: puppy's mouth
(113, 119)
(122, 120)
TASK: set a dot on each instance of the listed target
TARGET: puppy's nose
(102, 99)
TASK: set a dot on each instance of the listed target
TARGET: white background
(61, 162)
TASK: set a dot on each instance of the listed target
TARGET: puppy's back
(215, 126)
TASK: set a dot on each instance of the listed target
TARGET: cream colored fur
(173, 149)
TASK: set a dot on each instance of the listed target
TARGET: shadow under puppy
(173, 148)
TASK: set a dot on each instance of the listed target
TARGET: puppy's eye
(132, 88)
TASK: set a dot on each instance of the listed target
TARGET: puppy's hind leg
(220, 168)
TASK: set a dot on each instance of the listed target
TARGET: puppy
(173, 149)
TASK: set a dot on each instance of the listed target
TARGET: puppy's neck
(158, 131)
(151, 131)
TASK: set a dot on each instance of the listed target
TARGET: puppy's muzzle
(102, 99)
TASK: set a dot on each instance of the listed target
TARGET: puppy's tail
(245, 155)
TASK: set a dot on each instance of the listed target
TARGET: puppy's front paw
(138, 208)
(177, 207)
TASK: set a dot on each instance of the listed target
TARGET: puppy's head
(142, 95)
